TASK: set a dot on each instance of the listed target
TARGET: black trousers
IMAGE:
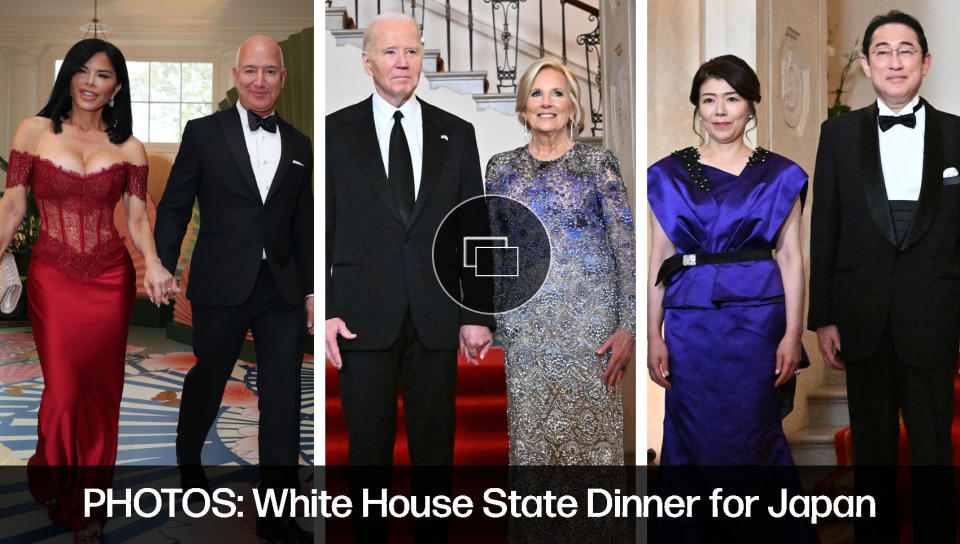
(368, 391)
(369, 383)
(879, 390)
(218, 334)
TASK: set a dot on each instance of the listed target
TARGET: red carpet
(843, 441)
(481, 428)
(843, 445)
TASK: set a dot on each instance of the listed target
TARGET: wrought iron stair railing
(505, 26)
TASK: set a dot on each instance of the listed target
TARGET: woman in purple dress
(730, 310)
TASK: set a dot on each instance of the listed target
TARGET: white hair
(368, 32)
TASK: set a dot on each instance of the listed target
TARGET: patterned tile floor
(155, 368)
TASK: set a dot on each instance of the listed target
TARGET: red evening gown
(80, 290)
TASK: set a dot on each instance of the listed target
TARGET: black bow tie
(268, 123)
(908, 120)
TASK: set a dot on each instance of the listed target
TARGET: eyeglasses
(885, 54)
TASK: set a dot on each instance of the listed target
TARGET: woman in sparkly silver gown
(568, 348)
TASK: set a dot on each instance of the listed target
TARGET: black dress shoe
(192, 476)
(285, 530)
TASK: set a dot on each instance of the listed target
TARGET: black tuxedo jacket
(859, 277)
(377, 267)
(213, 166)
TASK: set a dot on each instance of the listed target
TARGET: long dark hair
(736, 72)
(118, 117)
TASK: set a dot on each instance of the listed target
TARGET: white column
(730, 27)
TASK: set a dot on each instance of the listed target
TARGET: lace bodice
(77, 234)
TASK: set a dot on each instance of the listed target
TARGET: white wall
(31, 40)
(673, 52)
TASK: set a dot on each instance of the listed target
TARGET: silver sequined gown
(559, 411)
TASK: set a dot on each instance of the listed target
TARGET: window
(165, 95)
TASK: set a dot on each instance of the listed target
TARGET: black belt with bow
(673, 265)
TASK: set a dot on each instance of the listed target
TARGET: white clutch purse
(10, 286)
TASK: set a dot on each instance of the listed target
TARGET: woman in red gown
(79, 158)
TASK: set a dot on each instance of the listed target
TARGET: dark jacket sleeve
(331, 222)
(824, 233)
(478, 291)
(303, 227)
(176, 205)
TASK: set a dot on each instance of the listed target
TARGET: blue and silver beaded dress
(560, 413)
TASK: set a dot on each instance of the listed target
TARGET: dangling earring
(571, 130)
(110, 103)
(526, 132)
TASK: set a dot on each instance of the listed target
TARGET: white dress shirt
(412, 124)
(901, 153)
(264, 150)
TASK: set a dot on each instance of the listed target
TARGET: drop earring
(110, 103)
(526, 132)
(571, 130)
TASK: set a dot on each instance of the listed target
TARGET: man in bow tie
(396, 166)
(885, 258)
(252, 266)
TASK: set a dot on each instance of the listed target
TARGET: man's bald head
(262, 40)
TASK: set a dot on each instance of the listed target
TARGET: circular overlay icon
(491, 254)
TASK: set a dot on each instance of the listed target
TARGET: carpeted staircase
(481, 428)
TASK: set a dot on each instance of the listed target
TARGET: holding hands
(475, 342)
(160, 284)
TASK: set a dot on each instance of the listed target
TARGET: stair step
(485, 379)
(431, 58)
(473, 416)
(814, 445)
(461, 82)
(336, 18)
(348, 37)
(486, 448)
(827, 405)
(503, 102)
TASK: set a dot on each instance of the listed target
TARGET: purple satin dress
(723, 322)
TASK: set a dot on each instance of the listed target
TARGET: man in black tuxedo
(885, 259)
(395, 167)
(252, 267)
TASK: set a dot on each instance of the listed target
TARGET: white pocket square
(298, 163)
(950, 172)
(444, 137)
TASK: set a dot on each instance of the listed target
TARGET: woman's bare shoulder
(133, 151)
(29, 133)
